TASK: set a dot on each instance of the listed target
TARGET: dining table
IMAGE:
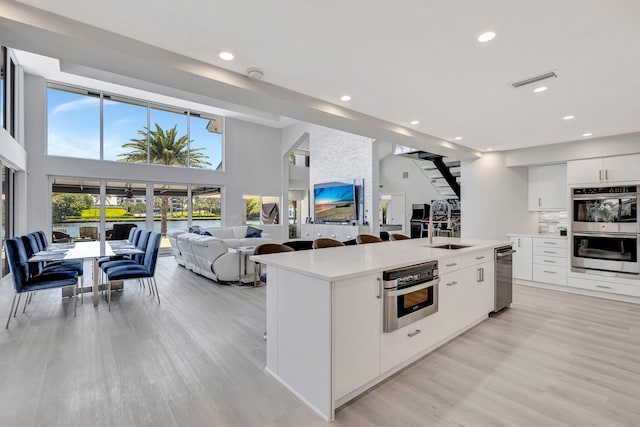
(93, 250)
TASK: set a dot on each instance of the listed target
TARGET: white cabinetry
(550, 260)
(338, 232)
(466, 291)
(522, 266)
(357, 329)
(548, 187)
(400, 345)
(604, 169)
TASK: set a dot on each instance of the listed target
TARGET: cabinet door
(452, 300)
(552, 187)
(523, 258)
(584, 171)
(484, 289)
(357, 320)
(621, 168)
(534, 201)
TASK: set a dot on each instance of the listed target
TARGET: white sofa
(209, 256)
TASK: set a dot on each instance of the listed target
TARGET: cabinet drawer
(550, 274)
(552, 261)
(400, 345)
(600, 286)
(548, 242)
(550, 252)
(463, 261)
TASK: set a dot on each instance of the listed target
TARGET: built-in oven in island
(410, 293)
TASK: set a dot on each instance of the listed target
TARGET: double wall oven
(605, 236)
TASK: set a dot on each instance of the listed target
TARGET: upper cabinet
(548, 187)
(602, 170)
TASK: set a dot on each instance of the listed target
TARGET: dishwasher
(504, 278)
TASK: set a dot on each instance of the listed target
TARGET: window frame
(149, 105)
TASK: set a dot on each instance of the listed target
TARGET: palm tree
(165, 148)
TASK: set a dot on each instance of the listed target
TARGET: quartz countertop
(357, 260)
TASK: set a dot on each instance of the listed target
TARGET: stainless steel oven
(613, 254)
(410, 293)
(605, 209)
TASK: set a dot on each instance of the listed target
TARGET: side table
(244, 252)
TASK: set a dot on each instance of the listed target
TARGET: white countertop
(545, 235)
(357, 260)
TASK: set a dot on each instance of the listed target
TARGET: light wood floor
(197, 359)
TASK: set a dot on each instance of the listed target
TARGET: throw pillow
(253, 232)
(194, 229)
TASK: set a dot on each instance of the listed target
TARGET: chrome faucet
(431, 209)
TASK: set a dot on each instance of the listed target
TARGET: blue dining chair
(146, 271)
(133, 239)
(24, 282)
(30, 242)
(143, 241)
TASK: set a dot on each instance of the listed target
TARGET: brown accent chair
(265, 249)
(367, 238)
(88, 232)
(398, 236)
(325, 242)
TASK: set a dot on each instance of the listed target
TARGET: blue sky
(74, 127)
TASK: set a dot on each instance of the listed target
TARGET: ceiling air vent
(535, 79)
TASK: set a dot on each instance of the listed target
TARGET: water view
(73, 228)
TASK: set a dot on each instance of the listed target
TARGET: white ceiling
(416, 59)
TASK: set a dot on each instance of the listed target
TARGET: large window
(73, 124)
(7, 207)
(205, 206)
(125, 203)
(8, 114)
(75, 209)
(2, 84)
(123, 120)
(132, 130)
(261, 209)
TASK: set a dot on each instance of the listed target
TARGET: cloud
(80, 104)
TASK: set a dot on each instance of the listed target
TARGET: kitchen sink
(450, 246)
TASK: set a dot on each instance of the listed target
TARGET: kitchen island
(325, 339)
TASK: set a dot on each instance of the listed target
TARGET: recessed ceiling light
(568, 117)
(225, 55)
(345, 98)
(587, 134)
(540, 89)
(489, 149)
(458, 138)
(486, 37)
(415, 122)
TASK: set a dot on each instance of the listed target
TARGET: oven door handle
(405, 291)
(611, 235)
(607, 196)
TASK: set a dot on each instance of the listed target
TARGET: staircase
(443, 174)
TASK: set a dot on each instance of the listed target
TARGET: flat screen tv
(335, 202)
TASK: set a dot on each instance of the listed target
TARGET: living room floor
(198, 358)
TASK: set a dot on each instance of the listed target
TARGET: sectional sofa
(210, 255)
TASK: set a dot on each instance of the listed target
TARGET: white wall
(557, 153)
(252, 164)
(416, 186)
(494, 198)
